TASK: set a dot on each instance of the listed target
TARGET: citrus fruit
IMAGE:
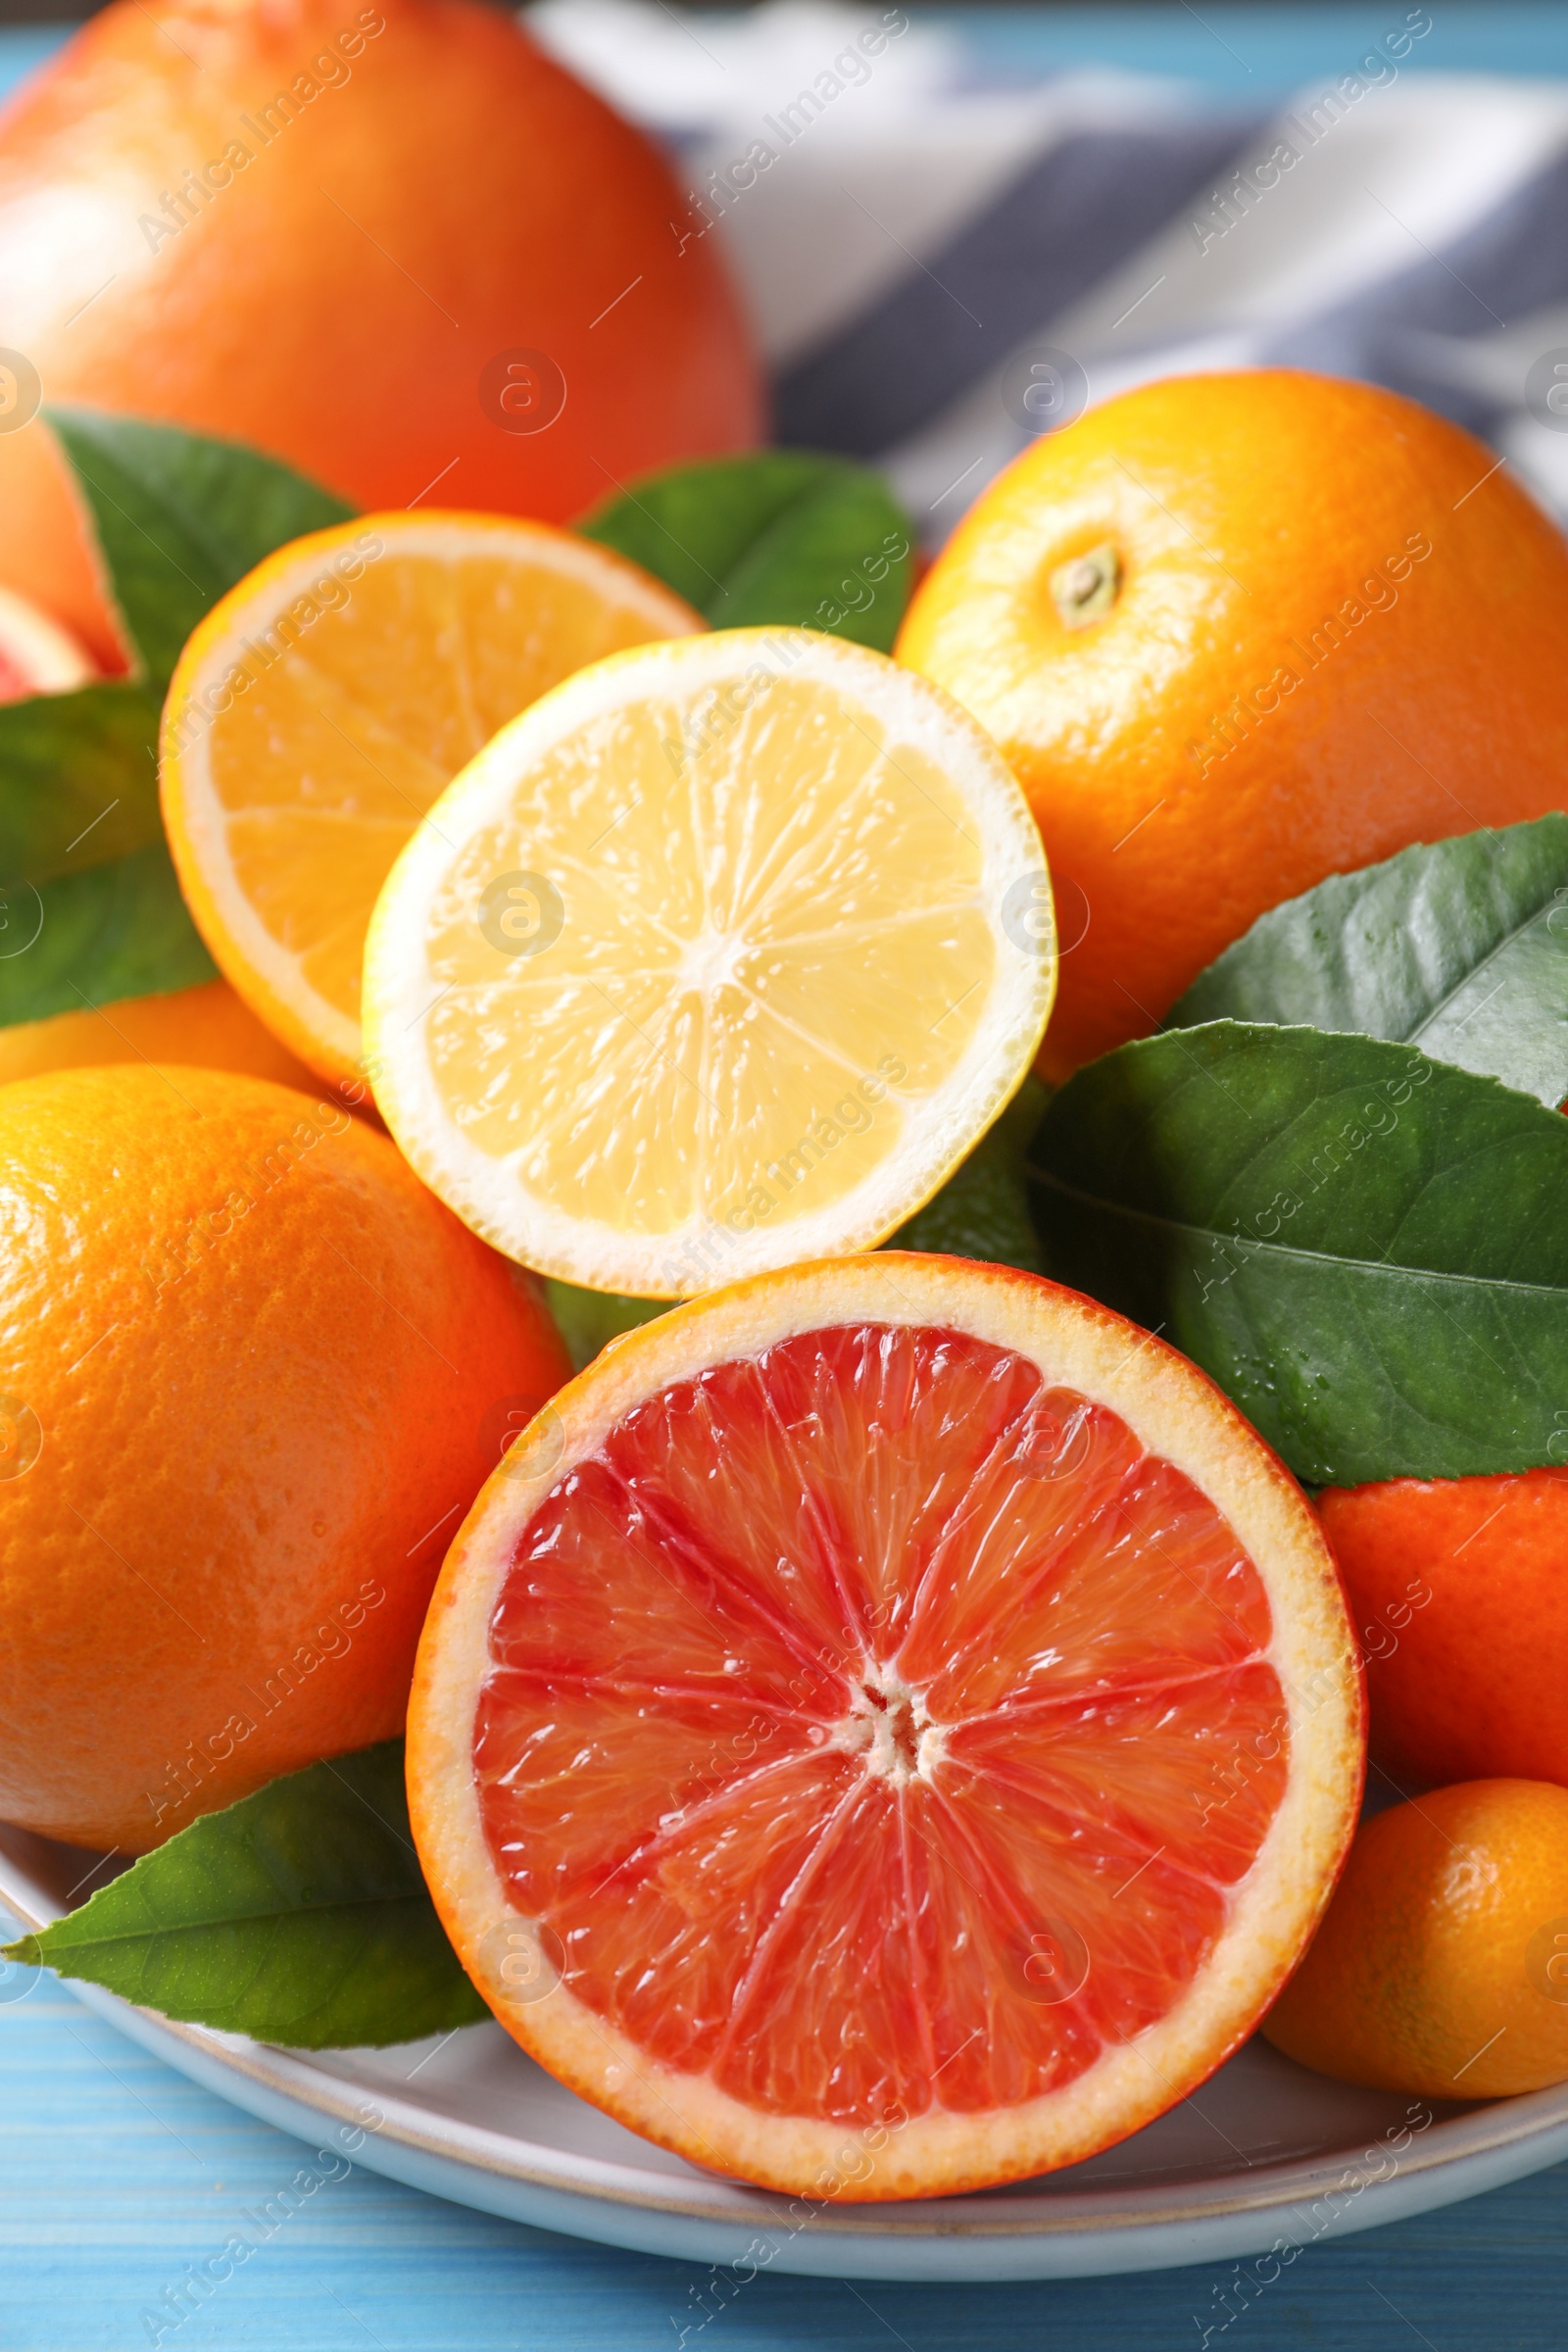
(252, 1377)
(1457, 1591)
(396, 246)
(36, 655)
(722, 955)
(886, 1728)
(325, 702)
(1236, 633)
(209, 1026)
(1441, 1963)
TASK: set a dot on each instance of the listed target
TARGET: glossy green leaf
(79, 780)
(781, 535)
(180, 519)
(85, 940)
(298, 1915)
(1459, 946)
(90, 907)
(1366, 1249)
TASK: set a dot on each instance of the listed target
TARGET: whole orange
(1236, 633)
(331, 230)
(253, 1375)
(1441, 1965)
(1460, 1598)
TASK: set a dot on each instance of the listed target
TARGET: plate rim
(1107, 2212)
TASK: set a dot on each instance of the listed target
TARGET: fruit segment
(912, 1747)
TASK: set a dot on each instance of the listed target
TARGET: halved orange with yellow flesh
(327, 701)
(888, 1728)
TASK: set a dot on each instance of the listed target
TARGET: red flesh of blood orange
(877, 1728)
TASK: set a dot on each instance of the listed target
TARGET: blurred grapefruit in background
(396, 246)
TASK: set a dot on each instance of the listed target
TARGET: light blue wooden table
(116, 2174)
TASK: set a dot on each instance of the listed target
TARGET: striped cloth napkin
(940, 269)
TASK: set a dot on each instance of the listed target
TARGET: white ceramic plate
(1265, 2156)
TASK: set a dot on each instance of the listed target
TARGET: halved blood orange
(888, 1728)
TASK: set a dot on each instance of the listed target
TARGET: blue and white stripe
(912, 235)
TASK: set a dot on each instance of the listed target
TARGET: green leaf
(983, 1209)
(781, 535)
(90, 910)
(85, 940)
(298, 1916)
(180, 519)
(1460, 948)
(1366, 1249)
(79, 780)
(90, 906)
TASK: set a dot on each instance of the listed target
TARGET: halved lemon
(721, 957)
(329, 699)
(885, 1729)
